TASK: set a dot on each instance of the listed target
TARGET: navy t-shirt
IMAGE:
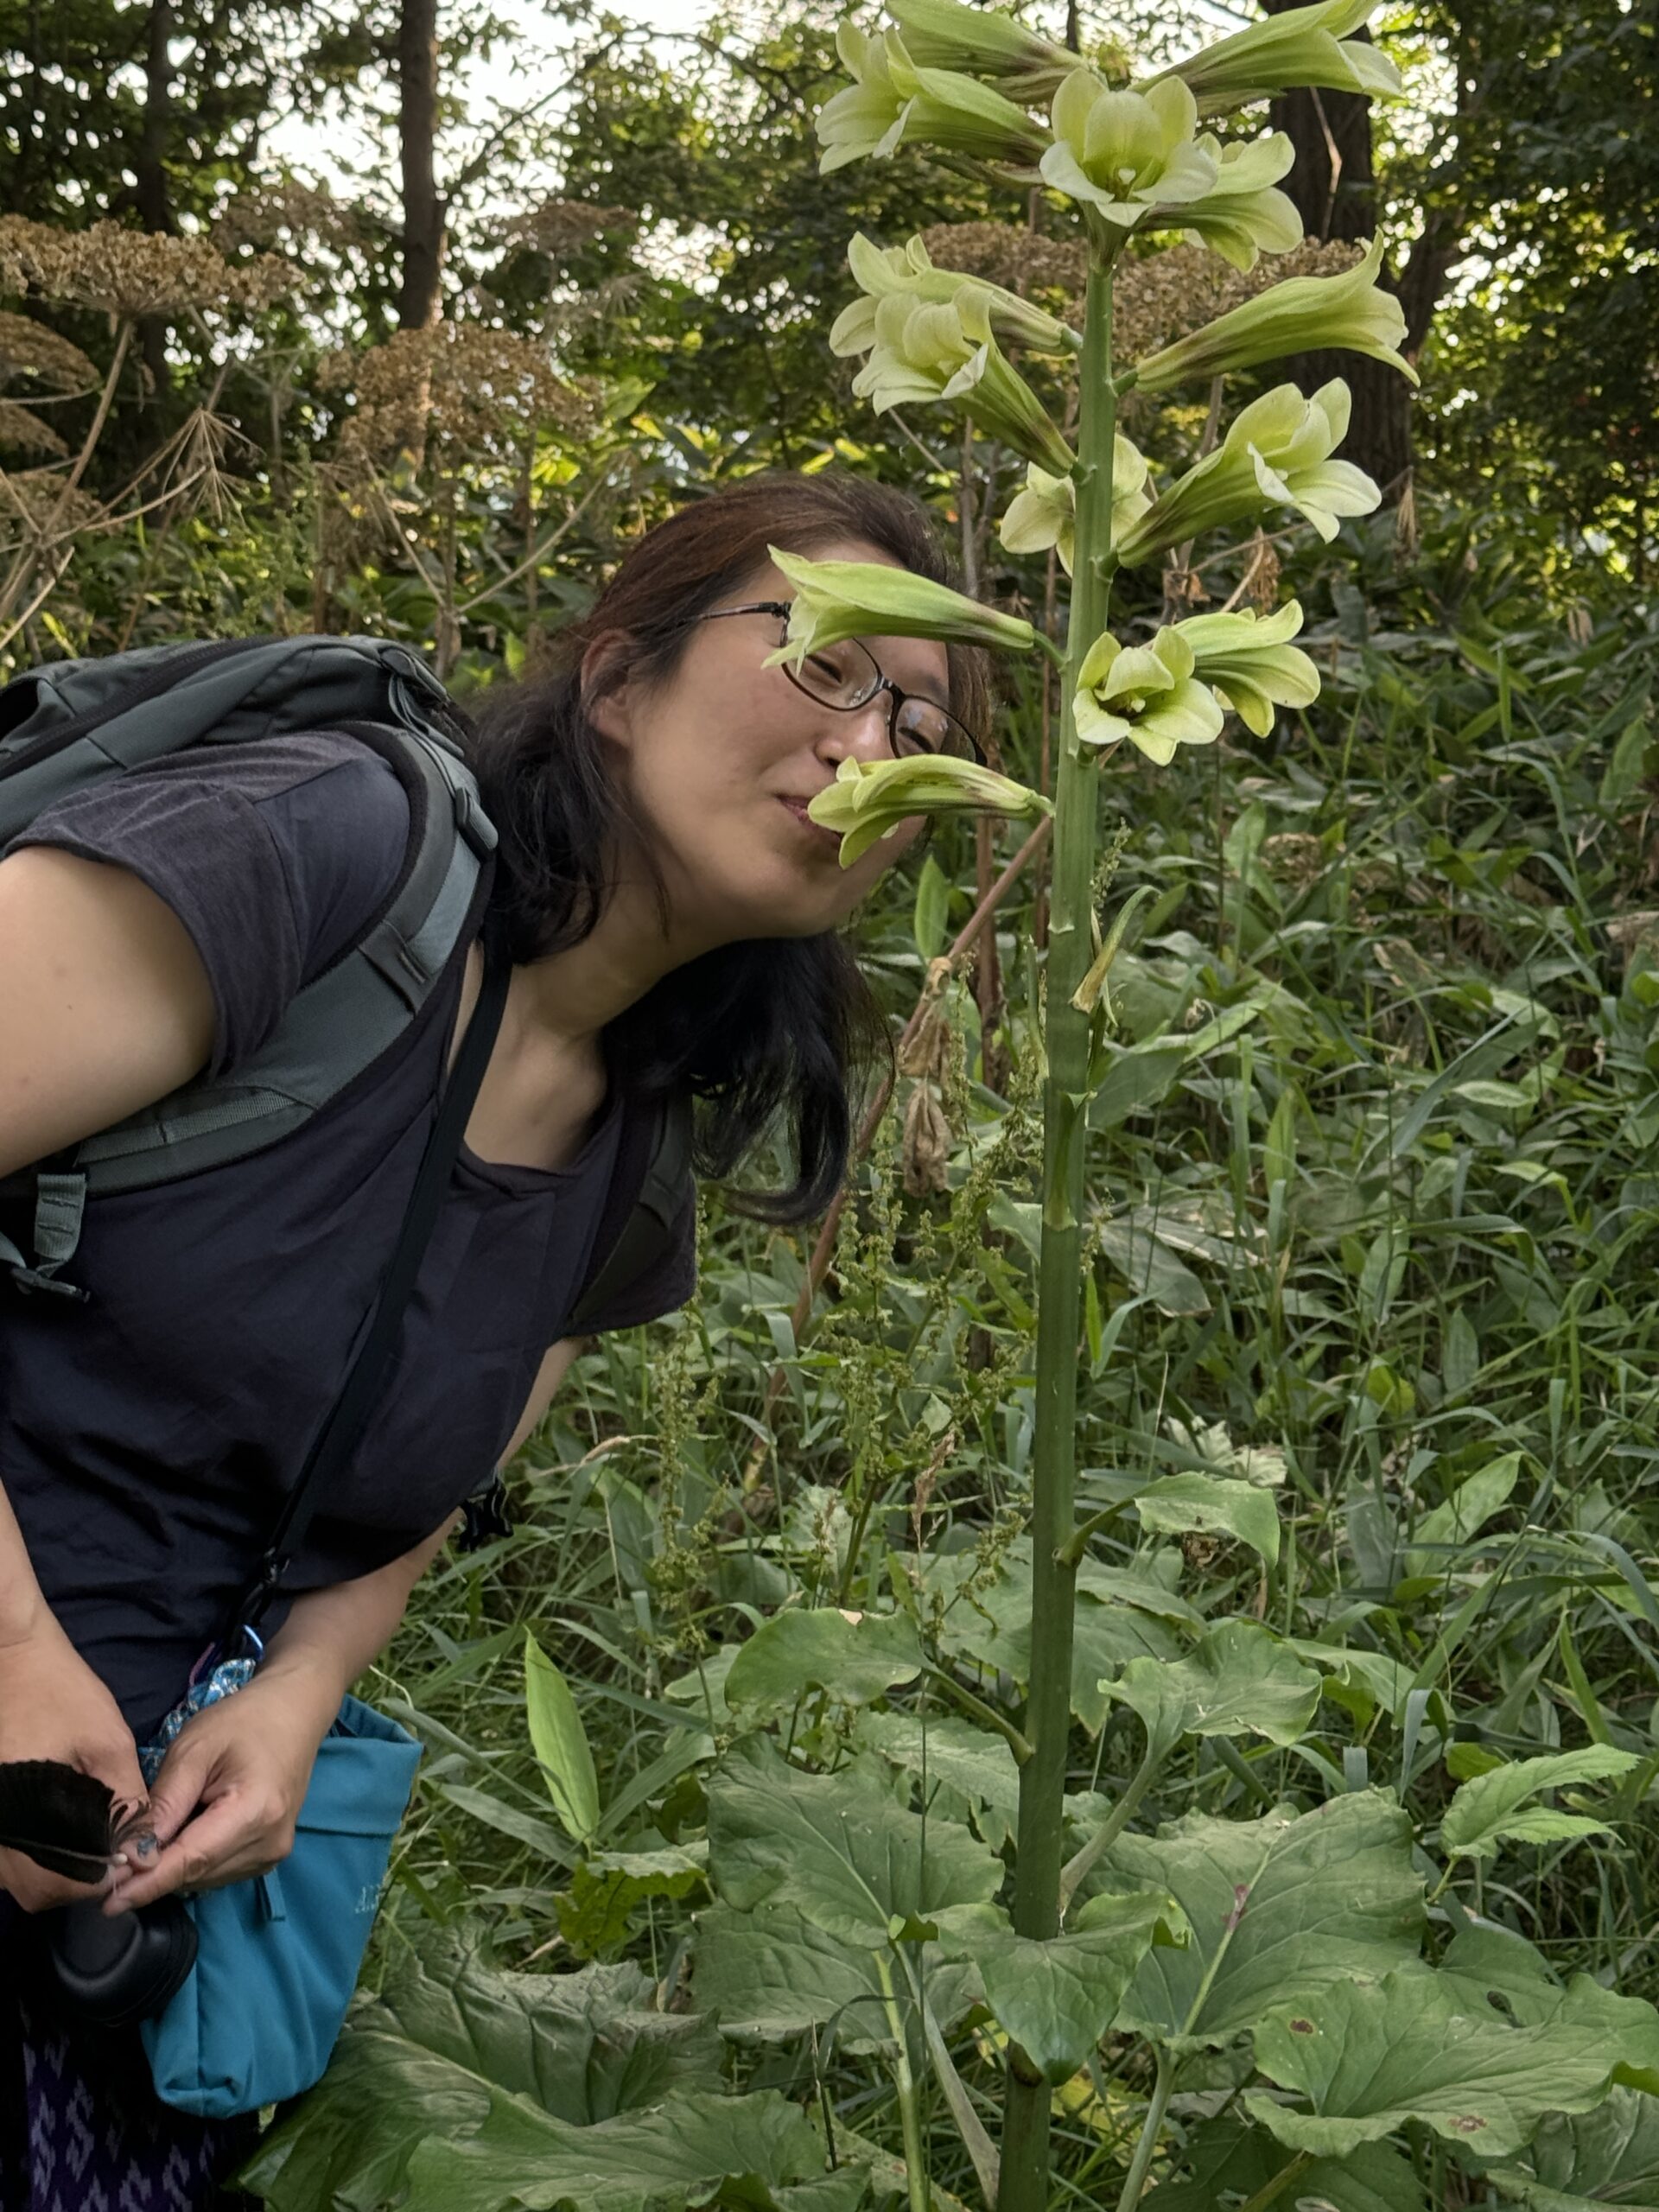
(147, 1438)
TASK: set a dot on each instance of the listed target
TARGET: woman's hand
(226, 1796)
(54, 1706)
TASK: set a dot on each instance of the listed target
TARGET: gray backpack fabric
(71, 723)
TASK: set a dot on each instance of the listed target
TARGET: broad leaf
(450, 2034)
(1058, 1998)
(1357, 1681)
(676, 2156)
(604, 1890)
(1289, 1901)
(1212, 1505)
(839, 1847)
(1238, 1679)
(1496, 1808)
(1491, 1964)
(1610, 2156)
(961, 1770)
(769, 1974)
(1227, 2162)
(560, 1743)
(1371, 2055)
(856, 1657)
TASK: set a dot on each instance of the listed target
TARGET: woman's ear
(605, 696)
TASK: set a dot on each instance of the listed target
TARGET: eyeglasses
(847, 675)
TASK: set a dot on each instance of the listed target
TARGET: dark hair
(765, 1027)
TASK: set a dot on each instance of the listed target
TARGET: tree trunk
(418, 123)
(1334, 188)
(149, 172)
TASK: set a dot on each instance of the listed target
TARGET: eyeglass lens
(845, 675)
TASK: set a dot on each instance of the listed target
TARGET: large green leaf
(961, 1770)
(769, 1974)
(678, 2155)
(1227, 2161)
(1371, 2055)
(1610, 2156)
(560, 1743)
(854, 1656)
(604, 1890)
(840, 1848)
(449, 2033)
(1488, 1963)
(1212, 1505)
(1058, 1998)
(1289, 1901)
(1497, 1807)
(1237, 1680)
(991, 1627)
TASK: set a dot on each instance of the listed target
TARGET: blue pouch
(277, 1957)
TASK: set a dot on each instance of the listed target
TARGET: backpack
(67, 724)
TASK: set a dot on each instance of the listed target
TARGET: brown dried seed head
(28, 348)
(127, 272)
(475, 390)
(20, 431)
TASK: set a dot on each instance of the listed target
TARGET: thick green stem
(1115, 1823)
(1151, 2128)
(910, 2110)
(1048, 1718)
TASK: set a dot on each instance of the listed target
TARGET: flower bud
(1045, 512)
(1251, 663)
(947, 351)
(868, 598)
(1145, 693)
(985, 42)
(908, 269)
(871, 799)
(892, 99)
(1304, 46)
(1303, 315)
(1126, 152)
(1276, 452)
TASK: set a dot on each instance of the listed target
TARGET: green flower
(924, 352)
(1251, 662)
(869, 799)
(908, 269)
(891, 99)
(867, 599)
(1145, 693)
(1125, 152)
(1244, 216)
(1299, 316)
(1276, 452)
(1306, 45)
(985, 42)
(1045, 512)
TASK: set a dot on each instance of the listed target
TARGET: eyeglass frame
(883, 683)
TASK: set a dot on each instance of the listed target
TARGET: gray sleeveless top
(146, 1439)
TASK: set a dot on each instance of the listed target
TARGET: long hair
(765, 1028)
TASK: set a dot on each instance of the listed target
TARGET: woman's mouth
(826, 839)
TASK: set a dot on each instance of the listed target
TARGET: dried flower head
(28, 348)
(559, 228)
(286, 211)
(22, 431)
(474, 389)
(128, 272)
(34, 507)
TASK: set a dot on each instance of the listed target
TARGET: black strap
(337, 1437)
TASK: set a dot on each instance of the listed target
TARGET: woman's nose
(860, 733)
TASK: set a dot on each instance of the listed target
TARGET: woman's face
(724, 755)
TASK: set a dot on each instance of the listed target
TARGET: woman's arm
(226, 1799)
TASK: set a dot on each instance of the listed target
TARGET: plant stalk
(1151, 2128)
(1048, 1717)
(910, 2111)
(1115, 1823)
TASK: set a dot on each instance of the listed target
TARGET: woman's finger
(224, 1843)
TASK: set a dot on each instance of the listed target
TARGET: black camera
(115, 1971)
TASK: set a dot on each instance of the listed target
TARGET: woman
(671, 912)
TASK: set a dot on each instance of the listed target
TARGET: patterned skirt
(81, 2128)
